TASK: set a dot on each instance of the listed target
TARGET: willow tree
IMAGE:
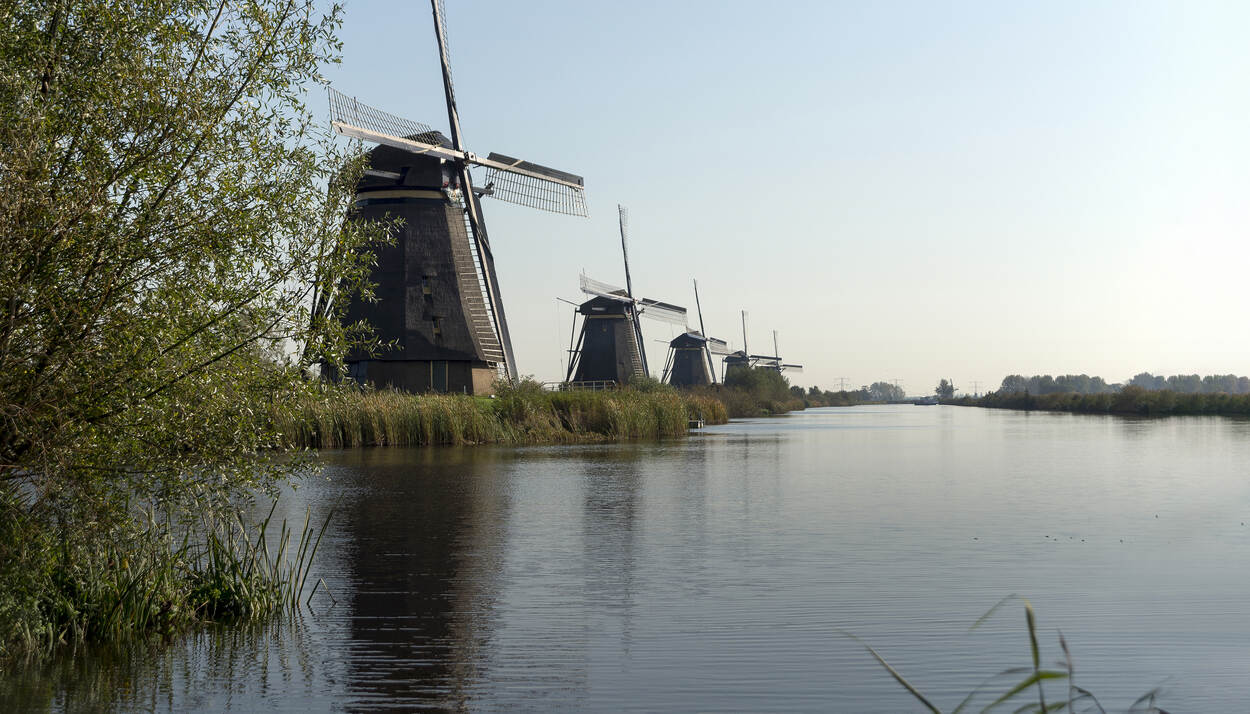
(169, 205)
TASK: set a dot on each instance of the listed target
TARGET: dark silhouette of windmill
(438, 298)
(773, 361)
(743, 359)
(690, 362)
(609, 349)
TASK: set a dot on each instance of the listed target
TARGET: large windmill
(609, 349)
(690, 362)
(438, 299)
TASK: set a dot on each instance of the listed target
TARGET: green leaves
(177, 225)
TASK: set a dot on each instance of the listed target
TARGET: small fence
(591, 386)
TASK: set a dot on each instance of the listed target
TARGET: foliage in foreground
(523, 413)
(173, 222)
(1024, 684)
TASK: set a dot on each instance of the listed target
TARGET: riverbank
(1129, 401)
(521, 414)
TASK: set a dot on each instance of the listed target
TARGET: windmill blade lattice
(662, 311)
(347, 110)
(590, 286)
(531, 189)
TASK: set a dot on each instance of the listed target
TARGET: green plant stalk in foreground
(1029, 686)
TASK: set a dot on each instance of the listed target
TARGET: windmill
(690, 361)
(773, 361)
(739, 359)
(609, 349)
(745, 360)
(438, 297)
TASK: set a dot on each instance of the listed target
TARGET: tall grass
(61, 586)
(524, 413)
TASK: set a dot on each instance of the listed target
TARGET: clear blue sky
(902, 190)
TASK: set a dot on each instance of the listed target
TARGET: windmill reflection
(426, 538)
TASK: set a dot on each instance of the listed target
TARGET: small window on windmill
(438, 326)
(425, 285)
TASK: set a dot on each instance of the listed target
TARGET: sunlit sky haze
(902, 190)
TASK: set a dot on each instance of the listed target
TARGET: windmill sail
(662, 311)
(529, 184)
(590, 286)
(654, 309)
(515, 180)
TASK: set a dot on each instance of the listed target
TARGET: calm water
(718, 573)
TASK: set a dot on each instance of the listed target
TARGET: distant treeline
(1144, 394)
(1085, 384)
(1131, 400)
(1193, 384)
(1064, 383)
(876, 393)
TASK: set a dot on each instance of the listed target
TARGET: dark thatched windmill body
(609, 350)
(438, 297)
(690, 355)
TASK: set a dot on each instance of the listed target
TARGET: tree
(1014, 383)
(170, 208)
(885, 392)
(946, 390)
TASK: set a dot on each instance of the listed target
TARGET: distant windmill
(609, 348)
(773, 361)
(438, 297)
(745, 360)
(690, 362)
(740, 359)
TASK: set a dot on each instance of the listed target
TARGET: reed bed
(525, 413)
(150, 579)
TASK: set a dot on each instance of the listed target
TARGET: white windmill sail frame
(515, 180)
(663, 312)
(653, 309)
(590, 286)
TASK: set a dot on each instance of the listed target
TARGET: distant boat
(926, 401)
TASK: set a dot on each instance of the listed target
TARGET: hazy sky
(902, 190)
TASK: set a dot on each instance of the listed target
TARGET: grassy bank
(1132, 400)
(520, 414)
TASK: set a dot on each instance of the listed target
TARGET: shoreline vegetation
(1144, 395)
(524, 413)
(1130, 401)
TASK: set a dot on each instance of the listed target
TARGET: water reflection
(611, 487)
(423, 562)
(713, 573)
